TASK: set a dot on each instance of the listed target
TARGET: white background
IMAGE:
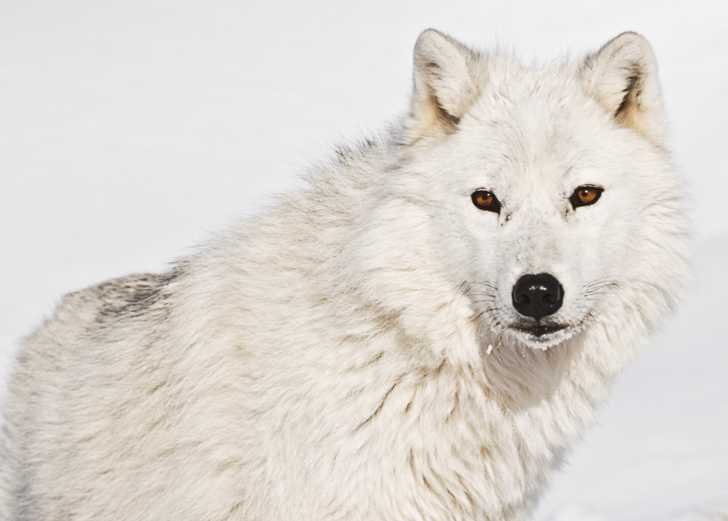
(131, 130)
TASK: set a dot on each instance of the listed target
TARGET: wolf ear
(445, 84)
(622, 77)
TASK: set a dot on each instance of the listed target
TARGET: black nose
(537, 296)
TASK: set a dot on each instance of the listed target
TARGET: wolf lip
(539, 330)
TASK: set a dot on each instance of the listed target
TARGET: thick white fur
(346, 355)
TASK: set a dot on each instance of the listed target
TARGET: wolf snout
(537, 296)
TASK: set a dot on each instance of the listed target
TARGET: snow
(132, 130)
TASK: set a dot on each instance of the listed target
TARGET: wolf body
(355, 353)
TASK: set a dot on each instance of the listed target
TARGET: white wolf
(419, 334)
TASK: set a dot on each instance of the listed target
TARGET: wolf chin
(418, 334)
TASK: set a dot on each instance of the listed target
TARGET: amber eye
(485, 200)
(585, 195)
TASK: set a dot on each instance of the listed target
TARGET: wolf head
(537, 202)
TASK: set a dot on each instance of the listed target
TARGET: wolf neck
(475, 437)
(479, 439)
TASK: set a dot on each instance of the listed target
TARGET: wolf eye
(585, 195)
(485, 200)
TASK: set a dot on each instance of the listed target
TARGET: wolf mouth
(542, 336)
(538, 330)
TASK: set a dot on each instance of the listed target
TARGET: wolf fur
(347, 354)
